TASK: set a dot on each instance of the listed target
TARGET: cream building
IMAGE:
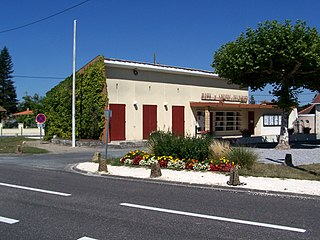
(146, 97)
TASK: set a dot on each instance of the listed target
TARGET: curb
(195, 185)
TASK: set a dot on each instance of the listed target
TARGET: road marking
(35, 189)
(267, 225)
(87, 238)
(8, 220)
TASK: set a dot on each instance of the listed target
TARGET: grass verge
(9, 145)
(304, 172)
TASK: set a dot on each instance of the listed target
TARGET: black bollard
(288, 160)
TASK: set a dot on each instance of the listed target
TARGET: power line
(45, 18)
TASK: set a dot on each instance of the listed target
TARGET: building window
(227, 121)
(200, 121)
(271, 120)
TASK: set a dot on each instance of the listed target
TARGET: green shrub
(91, 100)
(167, 144)
(242, 156)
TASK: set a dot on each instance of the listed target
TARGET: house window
(227, 121)
(200, 121)
(271, 120)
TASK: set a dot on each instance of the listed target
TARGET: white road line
(8, 220)
(267, 225)
(87, 238)
(35, 189)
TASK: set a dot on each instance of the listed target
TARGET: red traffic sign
(41, 118)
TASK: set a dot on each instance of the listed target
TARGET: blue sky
(183, 33)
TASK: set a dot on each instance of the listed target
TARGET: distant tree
(34, 103)
(285, 56)
(8, 96)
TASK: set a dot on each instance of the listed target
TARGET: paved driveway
(301, 154)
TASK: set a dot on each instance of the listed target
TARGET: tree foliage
(90, 102)
(8, 96)
(285, 56)
(34, 103)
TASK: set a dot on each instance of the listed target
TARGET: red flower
(163, 163)
(189, 166)
(136, 160)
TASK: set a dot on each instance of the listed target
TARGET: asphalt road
(114, 208)
(59, 161)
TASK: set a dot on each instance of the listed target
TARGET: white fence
(20, 131)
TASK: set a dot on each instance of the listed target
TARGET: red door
(178, 120)
(117, 127)
(251, 122)
(149, 120)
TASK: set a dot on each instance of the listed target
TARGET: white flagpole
(74, 86)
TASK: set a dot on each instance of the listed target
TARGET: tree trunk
(283, 143)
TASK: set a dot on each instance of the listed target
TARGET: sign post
(41, 119)
(107, 115)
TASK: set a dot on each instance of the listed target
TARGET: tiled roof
(316, 100)
(307, 110)
(27, 112)
(310, 109)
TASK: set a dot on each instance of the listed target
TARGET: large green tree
(283, 55)
(8, 96)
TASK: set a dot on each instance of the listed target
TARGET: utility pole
(74, 86)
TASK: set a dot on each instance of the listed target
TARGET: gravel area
(306, 154)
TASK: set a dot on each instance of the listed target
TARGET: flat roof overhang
(158, 68)
(231, 105)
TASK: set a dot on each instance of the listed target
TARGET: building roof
(316, 100)
(310, 109)
(27, 112)
(2, 109)
(157, 67)
(307, 110)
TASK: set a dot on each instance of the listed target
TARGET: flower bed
(141, 158)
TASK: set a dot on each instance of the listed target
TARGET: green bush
(91, 100)
(242, 156)
(167, 144)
